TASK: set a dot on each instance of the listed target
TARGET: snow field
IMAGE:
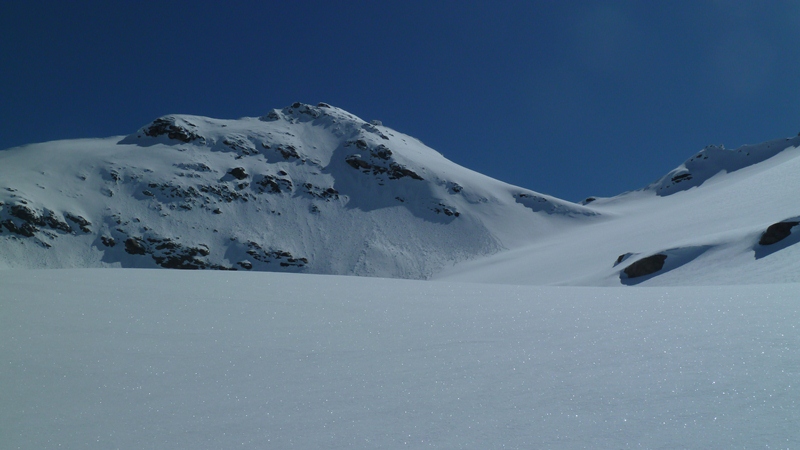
(110, 358)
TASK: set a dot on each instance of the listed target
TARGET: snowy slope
(314, 189)
(707, 218)
(304, 189)
(156, 359)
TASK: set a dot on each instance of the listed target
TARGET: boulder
(134, 246)
(777, 232)
(646, 266)
(239, 173)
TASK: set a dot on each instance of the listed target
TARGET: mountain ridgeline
(301, 189)
(315, 189)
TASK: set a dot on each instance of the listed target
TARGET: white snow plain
(155, 359)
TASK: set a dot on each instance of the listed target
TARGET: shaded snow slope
(302, 189)
(706, 228)
(98, 359)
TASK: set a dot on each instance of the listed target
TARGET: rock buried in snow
(777, 232)
(646, 266)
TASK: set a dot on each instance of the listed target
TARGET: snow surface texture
(175, 359)
(303, 189)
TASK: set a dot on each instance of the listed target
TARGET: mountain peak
(304, 188)
(715, 159)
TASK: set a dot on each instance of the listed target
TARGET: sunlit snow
(107, 358)
(529, 332)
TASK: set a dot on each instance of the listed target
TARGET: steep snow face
(723, 217)
(302, 189)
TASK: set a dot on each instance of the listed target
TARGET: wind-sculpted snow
(303, 189)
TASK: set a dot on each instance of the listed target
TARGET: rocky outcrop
(326, 194)
(441, 208)
(239, 173)
(173, 255)
(282, 257)
(26, 221)
(135, 246)
(274, 184)
(174, 129)
(777, 232)
(170, 253)
(646, 266)
(378, 161)
(240, 145)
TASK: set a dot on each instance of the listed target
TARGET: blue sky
(568, 98)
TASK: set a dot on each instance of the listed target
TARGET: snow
(171, 182)
(711, 229)
(123, 358)
(527, 334)
(319, 190)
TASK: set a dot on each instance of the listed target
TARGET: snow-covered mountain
(98, 358)
(314, 189)
(303, 189)
(721, 217)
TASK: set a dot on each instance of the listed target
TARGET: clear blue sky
(568, 98)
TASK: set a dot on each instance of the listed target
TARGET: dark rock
(301, 108)
(167, 125)
(245, 264)
(135, 246)
(398, 171)
(622, 257)
(26, 229)
(646, 266)
(274, 185)
(319, 192)
(53, 222)
(356, 162)
(382, 152)
(282, 257)
(27, 214)
(238, 172)
(240, 144)
(777, 232)
(288, 152)
(682, 177)
(178, 262)
(270, 117)
(80, 221)
(441, 208)
(108, 241)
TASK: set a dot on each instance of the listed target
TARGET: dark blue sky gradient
(572, 98)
